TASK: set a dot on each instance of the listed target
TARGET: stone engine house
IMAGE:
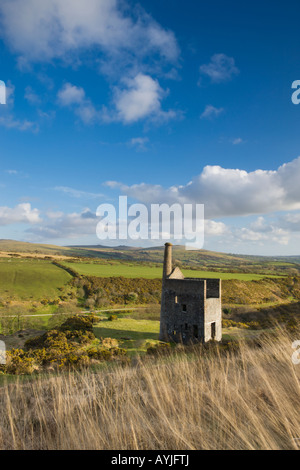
(191, 309)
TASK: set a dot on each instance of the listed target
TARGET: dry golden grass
(196, 400)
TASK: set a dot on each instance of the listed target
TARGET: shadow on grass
(118, 334)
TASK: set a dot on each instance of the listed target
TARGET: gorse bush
(79, 323)
(101, 292)
(65, 346)
(231, 323)
(112, 318)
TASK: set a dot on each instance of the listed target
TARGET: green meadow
(133, 335)
(152, 272)
(24, 279)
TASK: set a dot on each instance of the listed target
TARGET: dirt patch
(17, 340)
(17, 254)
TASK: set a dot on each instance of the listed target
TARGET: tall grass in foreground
(247, 399)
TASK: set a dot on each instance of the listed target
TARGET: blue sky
(171, 101)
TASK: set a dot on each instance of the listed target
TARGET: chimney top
(167, 260)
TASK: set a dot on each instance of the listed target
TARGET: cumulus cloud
(59, 225)
(213, 228)
(140, 98)
(71, 94)
(264, 232)
(290, 222)
(221, 68)
(22, 213)
(67, 26)
(230, 192)
(127, 44)
(272, 235)
(74, 97)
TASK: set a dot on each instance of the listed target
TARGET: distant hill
(198, 259)
(13, 246)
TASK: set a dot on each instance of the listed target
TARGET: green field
(30, 279)
(148, 272)
(137, 335)
(140, 334)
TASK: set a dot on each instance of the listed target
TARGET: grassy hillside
(150, 272)
(108, 291)
(199, 259)
(30, 279)
(240, 398)
(34, 249)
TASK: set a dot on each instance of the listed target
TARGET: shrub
(79, 322)
(64, 346)
(227, 311)
(132, 297)
(112, 318)
(18, 363)
(160, 348)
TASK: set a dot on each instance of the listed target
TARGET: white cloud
(211, 112)
(260, 225)
(77, 193)
(7, 115)
(11, 123)
(213, 228)
(230, 192)
(237, 141)
(139, 143)
(262, 232)
(67, 26)
(22, 213)
(74, 97)
(32, 97)
(274, 235)
(220, 69)
(59, 225)
(125, 42)
(140, 98)
(112, 184)
(290, 222)
(71, 94)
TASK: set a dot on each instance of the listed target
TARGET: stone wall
(190, 308)
(183, 309)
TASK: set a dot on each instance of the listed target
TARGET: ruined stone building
(190, 308)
